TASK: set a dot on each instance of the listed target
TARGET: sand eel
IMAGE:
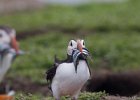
(67, 77)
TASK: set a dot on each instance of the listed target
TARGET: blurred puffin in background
(67, 77)
(9, 49)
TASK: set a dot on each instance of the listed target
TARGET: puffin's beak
(79, 46)
(14, 44)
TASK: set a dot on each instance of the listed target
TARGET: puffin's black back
(52, 71)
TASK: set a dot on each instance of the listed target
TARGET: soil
(25, 85)
(119, 98)
(126, 83)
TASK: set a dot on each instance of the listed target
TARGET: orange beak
(14, 44)
(79, 46)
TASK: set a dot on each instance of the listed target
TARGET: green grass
(92, 17)
(83, 96)
(118, 51)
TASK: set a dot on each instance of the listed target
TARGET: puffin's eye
(71, 44)
(83, 43)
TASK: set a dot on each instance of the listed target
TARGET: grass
(114, 39)
(92, 17)
(83, 96)
(118, 51)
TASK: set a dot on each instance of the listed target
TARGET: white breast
(5, 65)
(67, 81)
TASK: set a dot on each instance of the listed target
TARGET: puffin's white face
(4, 37)
(71, 46)
(79, 44)
(8, 39)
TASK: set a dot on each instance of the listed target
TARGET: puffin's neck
(5, 64)
(69, 58)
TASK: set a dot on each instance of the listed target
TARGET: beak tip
(15, 44)
(79, 46)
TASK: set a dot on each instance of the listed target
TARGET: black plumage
(51, 72)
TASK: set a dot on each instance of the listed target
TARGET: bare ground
(125, 83)
(25, 85)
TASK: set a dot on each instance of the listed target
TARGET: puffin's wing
(51, 73)
(88, 68)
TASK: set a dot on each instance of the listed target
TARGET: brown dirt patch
(119, 98)
(44, 30)
(28, 33)
(25, 85)
(118, 83)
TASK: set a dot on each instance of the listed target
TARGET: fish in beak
(79, 54)
(83, 51)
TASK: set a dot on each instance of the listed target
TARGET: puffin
(67, 77)
(9, 49)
